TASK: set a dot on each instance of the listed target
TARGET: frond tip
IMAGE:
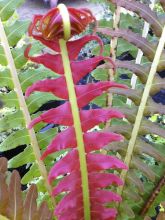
(50, 26)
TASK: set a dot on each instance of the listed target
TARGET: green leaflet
(20, 137)
(32, 174)
(12, 120)
(30, 76)
(126, 21)
(24, 157)
(27, 156)
(123, 46)
(96, 50)
(100, 74)
(10, 99)
(6, 80)
(18, 56)
(8, 8)
(3, 60)
(15, 31)
(45, 137)
(36, 100)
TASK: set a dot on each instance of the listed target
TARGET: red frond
(48, 29)
(79, 68)
(74, 46)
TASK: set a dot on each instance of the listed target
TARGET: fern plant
(78, 173)
(137, 151)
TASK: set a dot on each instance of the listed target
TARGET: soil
(31, 7)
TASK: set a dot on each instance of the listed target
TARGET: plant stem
(75, 111)
(114, 41)
(153, 196)
(113, 46)
(78, 129)
(23, 107)
(142, 106)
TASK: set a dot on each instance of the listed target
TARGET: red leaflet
(79, 68)
(89, 118)
(96, 180)
(48, 60)
(72, 181)
(74, 47)
(55, 86)
(70, 201)
(104, 196)
(99, 212)
(93, 141)
(85, 93)
(74, 199)
(98, 162)
(68, 183)
(93, 117)
(103, 213)
(97, 140)
(65, 139)
(101, 180)
(65, 165)
(60, 115)
(49, 29)
(72, 213)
